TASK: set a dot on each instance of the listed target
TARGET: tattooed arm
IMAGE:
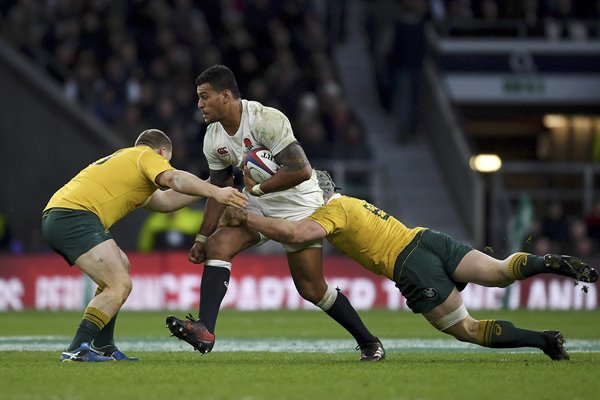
(295, 169)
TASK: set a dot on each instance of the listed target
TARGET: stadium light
(485, 163)
(554, 121)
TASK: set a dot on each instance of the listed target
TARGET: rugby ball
(261, 164)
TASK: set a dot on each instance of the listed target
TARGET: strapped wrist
(200, 238)
(256, 191)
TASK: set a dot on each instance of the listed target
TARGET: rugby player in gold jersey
(76, 222)
(430, 268)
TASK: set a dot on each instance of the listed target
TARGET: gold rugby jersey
(113, 186)
(364, 233)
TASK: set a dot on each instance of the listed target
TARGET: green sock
(106, 335)
(524, 265)
(85, 333)
(92, 323)
(503, 334)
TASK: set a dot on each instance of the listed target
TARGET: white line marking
(276, 345)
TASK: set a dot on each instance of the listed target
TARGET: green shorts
(72, 233)
(423, 271)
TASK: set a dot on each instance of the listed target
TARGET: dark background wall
(35, 121)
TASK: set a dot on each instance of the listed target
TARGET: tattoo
(292, 157)
(221, 177)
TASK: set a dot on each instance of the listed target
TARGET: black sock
(503, 334)
(85, 333)
(212, 291)
(344, 314)
(106, 335)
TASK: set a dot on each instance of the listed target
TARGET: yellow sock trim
(96, 316)
(516, 262)
(484, 332)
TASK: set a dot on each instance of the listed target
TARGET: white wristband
(200, 238)
(256, 190)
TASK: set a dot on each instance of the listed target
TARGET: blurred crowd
(396, 38)
(557, 231)
(133, 64)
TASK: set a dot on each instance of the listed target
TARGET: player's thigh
(480, 268)
(105, 264)
(226, 242)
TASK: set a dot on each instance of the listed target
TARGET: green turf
(272, 375)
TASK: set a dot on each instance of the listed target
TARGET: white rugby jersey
(268, 127)
(260, 126)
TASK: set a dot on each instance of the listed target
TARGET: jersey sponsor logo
(430, 293)
(248, 144)
(222, 151)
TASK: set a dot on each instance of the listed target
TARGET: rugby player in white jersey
(236, 126)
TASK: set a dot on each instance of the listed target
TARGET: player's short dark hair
(154, 139)
(220, 78)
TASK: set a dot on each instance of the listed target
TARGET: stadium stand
(435, 82)
(131, 65)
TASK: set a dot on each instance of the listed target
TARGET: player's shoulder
(214, 132)
(258, 110)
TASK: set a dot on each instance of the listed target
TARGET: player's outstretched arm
(189, 188)
(281, 230)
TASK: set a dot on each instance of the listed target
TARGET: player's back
(113, 186)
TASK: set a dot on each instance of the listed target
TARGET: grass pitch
(297, 355)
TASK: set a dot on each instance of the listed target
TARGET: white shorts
(294, 204)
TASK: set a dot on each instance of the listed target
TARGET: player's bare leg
(451, 317)
(480, 268)
(306, 268)
(108, 267)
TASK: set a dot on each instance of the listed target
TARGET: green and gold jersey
(113, 186)
(364, 233)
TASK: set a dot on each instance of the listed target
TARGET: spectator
(554, 224)
(169, 231)
(5, 235)
(405, 60)
(592, 221)
(130, 63)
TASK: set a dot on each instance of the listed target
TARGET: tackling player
(76, 220)
(236, 126)
(429, 267)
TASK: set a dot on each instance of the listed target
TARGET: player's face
(210, 102)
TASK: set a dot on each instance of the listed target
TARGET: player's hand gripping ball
(261, 164)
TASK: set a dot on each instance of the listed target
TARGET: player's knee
(459, 324)
(122, 289)
(309, 293)
(312, 291)
(217, 249)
